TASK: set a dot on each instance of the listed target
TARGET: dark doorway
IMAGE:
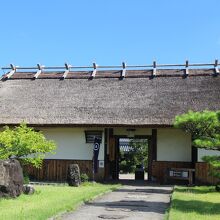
(132, 158)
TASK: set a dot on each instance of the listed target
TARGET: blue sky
(108, 32)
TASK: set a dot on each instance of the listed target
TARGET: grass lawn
(49, 201)
(201, 202)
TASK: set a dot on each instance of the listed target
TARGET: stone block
(28, 189)
(11, 178)
(73, 175)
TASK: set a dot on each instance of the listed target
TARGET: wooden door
(113, 158)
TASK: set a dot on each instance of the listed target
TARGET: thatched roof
(138, 99)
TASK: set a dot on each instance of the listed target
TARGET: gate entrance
(132, 158)
(125, 155)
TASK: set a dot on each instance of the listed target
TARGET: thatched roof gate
(106, 100)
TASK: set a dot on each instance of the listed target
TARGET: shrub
(204, 128)
(137, 154)
(26, 178)
(22, 141)
(84, 177)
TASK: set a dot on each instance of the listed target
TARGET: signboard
(101, 164)
(181, 174)
(91, 135)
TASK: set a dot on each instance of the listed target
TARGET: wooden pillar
(106, 156)
(152, 152)
(194, 156)
(116, 169)
(110, 158)
(154, 144)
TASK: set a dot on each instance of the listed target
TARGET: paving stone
(137, 202)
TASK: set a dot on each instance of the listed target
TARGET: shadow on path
(145, 191)
(133, 205)
(135, 200)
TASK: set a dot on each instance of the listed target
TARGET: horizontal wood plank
(56, 170)
(159, 168)
(202, 174)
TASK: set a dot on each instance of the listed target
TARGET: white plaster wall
(173, 145)
(204, 152)
(71, 143)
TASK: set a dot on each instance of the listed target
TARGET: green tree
(204, 128)
(25, 144)
(137, 155)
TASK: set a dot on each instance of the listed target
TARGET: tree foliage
(204, 128)
(137, 155)
(25, 144)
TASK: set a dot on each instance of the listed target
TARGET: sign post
(96, 147)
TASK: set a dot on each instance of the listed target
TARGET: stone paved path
(137, 202)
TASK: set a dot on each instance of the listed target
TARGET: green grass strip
(201, 202)
(48, 201)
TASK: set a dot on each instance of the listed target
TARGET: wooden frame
(116, 167)
(152, 152)
(94, 70)
(123, 70)
(92, 133)
(159, 168)
(66, 71)
(189, 172)
(13, 70)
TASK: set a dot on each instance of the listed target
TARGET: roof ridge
(120, 74)
(124, 65)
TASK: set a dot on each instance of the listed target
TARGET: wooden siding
(202, 174)
(56, 170)
(159, 168)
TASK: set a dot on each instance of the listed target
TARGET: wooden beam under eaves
(216, 67)
(123, 70)
(94, 70)
(39, 71)
(66, 71)
(13, 70)
(154, 68)
(187, 68)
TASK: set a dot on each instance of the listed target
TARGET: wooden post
(39, 71)
(187, 68)
(194, 155)
(154, 68)
(123, 70)
(66, 71)
(216, 67)
(13, 70)
(152, 152)
(94, 70)
(106, 159)
(154, 144)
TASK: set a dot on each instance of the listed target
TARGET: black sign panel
(91, 135)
